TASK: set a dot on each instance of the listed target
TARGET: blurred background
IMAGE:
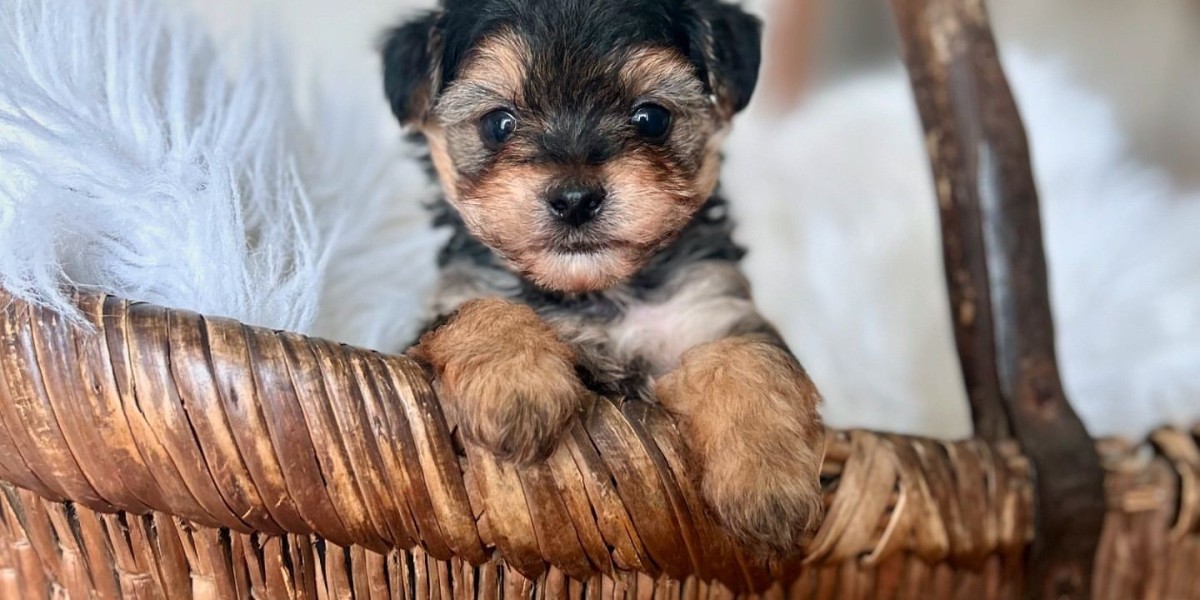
(830, 182)
(1140, 55)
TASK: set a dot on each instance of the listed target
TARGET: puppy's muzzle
(575, 205)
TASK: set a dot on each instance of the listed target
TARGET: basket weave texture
(164, 454)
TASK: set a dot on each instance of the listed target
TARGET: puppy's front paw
(769, 501)
(749, 414)
(514, 405)
(508, 378)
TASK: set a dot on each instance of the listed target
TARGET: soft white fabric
(130, 162)
(836, 203)
(133, 161)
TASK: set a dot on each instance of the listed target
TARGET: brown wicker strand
(266, 433)
(51, 549)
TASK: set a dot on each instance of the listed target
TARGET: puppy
(577, 142)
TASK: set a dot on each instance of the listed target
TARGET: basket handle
(996, 275)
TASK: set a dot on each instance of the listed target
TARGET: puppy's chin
(579, 272)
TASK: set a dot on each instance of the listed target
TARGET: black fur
(736, 52)
(422, 56)
(409, 65)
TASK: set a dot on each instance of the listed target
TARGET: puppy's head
(574, 137)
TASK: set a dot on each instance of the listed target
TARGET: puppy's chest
(655, 332)
(659, 333)
(624, 329)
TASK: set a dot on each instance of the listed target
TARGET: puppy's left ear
(412, 66)
(727, 44)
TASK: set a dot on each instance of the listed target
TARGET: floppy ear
(727, 44)
(411, 66)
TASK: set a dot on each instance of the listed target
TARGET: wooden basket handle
(996, 274)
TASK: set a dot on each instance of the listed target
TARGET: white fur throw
(843, 190)
(133, 160)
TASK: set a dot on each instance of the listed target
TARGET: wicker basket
(169, 455)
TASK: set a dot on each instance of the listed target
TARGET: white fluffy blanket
(133, 160)
(836, 203)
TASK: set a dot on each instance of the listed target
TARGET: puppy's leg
(508, 378)
(750, 414)
(744, 404)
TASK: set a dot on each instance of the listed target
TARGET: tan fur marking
(505, 210)
(649, 205)
(499, 64)
(646, 208)
(710, 168)
(507, 377)
(443, 164)
(750, 415)
(647, 69)
(577, 273)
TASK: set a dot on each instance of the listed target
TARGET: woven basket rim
(227, 425)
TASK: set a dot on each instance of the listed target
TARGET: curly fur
(508, 378)
(749, 411)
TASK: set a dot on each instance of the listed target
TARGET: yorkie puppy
(577, 142)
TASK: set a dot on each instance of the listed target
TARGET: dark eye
(496, 127)
(651, 120)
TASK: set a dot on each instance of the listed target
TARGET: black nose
(576, 205)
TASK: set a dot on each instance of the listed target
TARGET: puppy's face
(574, 137)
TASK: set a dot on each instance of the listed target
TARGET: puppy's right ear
(412, 67)
(727, 44)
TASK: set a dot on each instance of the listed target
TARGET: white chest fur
(707, 303)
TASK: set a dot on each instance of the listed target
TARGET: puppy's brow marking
(493, 77)
(500, 63)
(468, 100)
(656, 70)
